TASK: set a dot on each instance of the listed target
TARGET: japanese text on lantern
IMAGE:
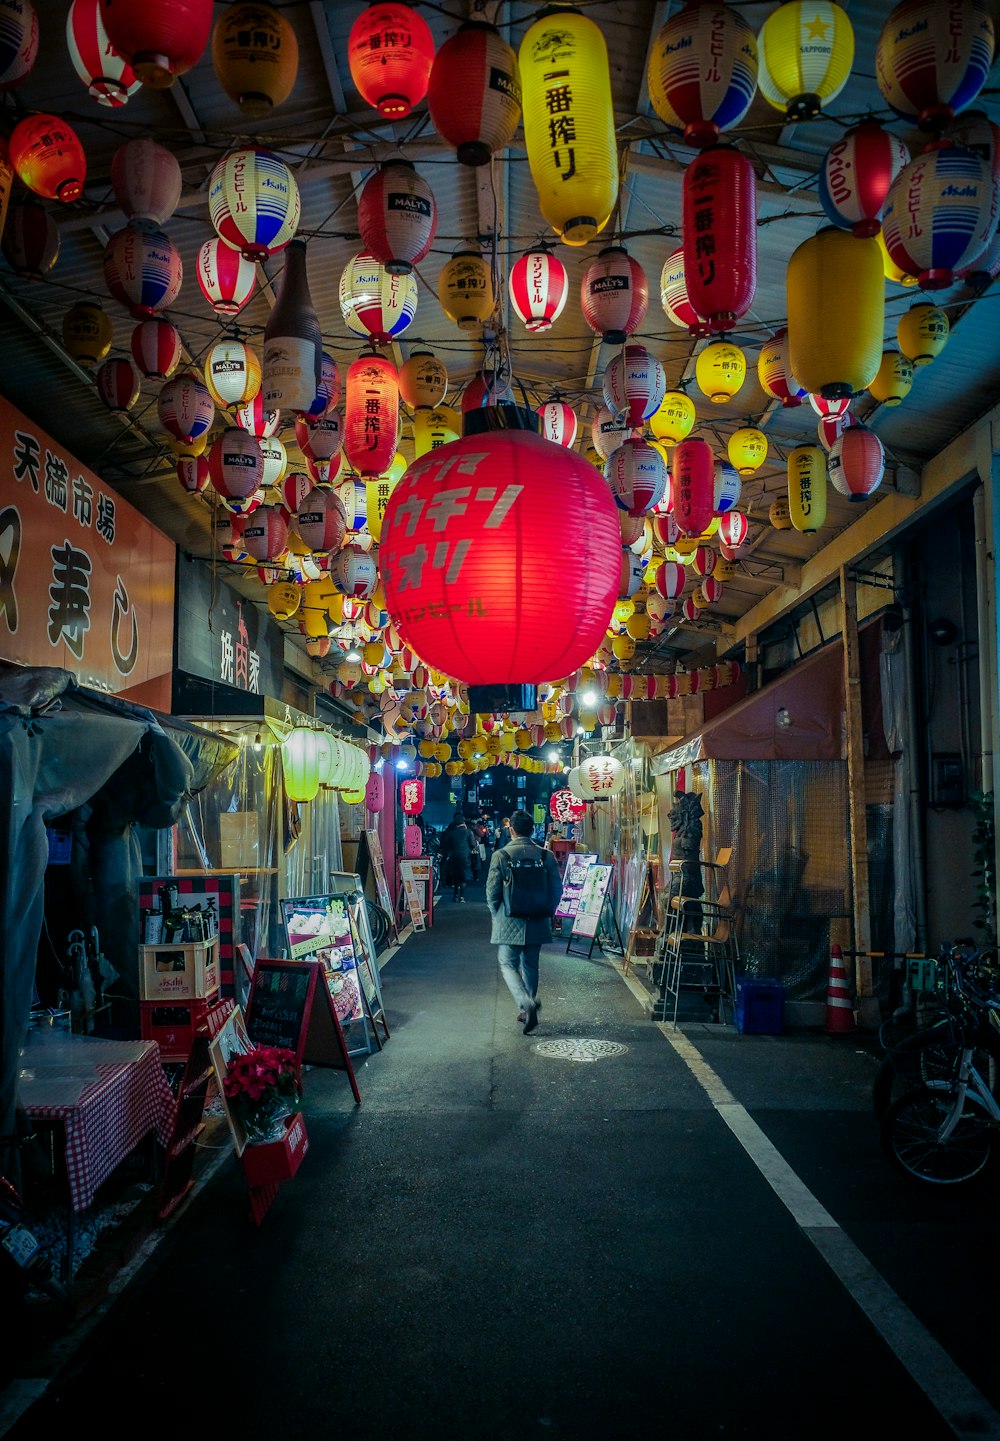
(704, 221)
(559, 104)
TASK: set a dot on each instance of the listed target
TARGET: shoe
(462, 899)
(521, 1016)
(530, 1019)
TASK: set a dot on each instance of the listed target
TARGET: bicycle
(943, 1132)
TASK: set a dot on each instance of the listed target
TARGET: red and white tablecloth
(107, 1094)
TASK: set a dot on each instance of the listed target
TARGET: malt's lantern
(474, 92)
(397, 216)
(614, 295)
(232, 373)
(235, 464)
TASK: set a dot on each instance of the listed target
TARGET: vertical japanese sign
(86, 582)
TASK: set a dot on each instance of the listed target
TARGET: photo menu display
(318, 928)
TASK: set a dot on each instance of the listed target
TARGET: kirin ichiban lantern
(932, 59)
(397, 216)
(720, 235)
(674, 417)
(160, 41)
(107, 75)
(390, 51)
(702, 72)
(48, 158)
(423, 380)
(600, 777)
(466, 559)
(255, 56)
(474, 92)
(371, 413)
(614, 295)
(565, 807)
(807, 487)
(856, 174)
(568, 122)
(693, 485)
(411, 797)
(538, 287)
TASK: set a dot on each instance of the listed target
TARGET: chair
(698, 948)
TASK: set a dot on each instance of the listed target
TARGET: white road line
(949, 1390)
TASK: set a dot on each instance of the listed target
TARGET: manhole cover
(580, 1050)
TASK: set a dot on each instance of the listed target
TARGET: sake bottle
(293, 342)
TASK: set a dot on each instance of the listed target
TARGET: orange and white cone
(839, 1005)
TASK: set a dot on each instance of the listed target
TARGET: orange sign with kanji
(86, 582)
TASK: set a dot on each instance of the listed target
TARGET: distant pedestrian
(457, 847)
(503, 833)
(519, 939)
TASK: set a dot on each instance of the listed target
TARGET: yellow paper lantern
(747, 449)
(922, 332)
(300, 763)
(894, 380)
(720, 370)
(442, 752)
(87, 333)
(623, 647)
(622, 611)
(569, 123)
(805, 51)
(255, 56)
(283, 599)
(674, 417)
(778, 514)
(465, 290)
(836, 312)
(890, 269)
(432, 428)
(807, 487)
(724, 569)
(638, 626)
(423, 380)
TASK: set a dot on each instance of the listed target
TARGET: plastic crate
(181, 970)
(924, 975)
(60, 846)
(172, 1026)
(760, 1006)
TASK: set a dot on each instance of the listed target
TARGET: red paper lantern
(320, 521)
(390, 51)
(265, 533)
(711, 588)
(856, 463)
(856, 174)
(565, 807)
(690, 610)
(225, 277)
(831, 427)
(321, 443)
(48, 157)
(117, 384)
(30, 240)
(411, 797)
(108, 76)
(693, 485)
(397, 216)
(614, 295)
(256, 417)
(156, 348)
(371, 414)
(538, 287)
(558, 422)
(160, 39)
(470, 533)
(670, 579)
(193, 474)
(474, 92)
(235, 464)
(720, 235)
(703, 560)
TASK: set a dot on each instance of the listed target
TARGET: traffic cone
(839, 1006)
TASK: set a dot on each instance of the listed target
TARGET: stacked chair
(697, 950)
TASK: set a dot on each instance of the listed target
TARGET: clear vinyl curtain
(612, 828)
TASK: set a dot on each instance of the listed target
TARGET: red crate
(273, 1161)
(172, 1025)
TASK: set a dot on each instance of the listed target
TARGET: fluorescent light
(352, 654)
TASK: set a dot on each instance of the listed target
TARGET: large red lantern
(702, 72)
(48, 157)
(146, 179)
(225, 277)
(558, 422)
(856, 463)
(720, 235)
(371, 414)
(693, 485)
(117, 384)
(30, 240)
(474, 92)
(538, 287)
(235, 464)
(156, 348)
(143, 268)
(856, 174)
(634, 385)
(160, 39)
(397, 216)
(265, 533)
(565, 807)
(108, 76)
(614, 294)
(470, 533)
(390, 51)
(411, 797)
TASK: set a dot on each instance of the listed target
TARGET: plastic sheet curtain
(612, 828)
(892, 674)
(317, 851)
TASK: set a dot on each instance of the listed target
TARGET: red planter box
(274, 1161)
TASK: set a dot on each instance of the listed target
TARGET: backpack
(525, 888)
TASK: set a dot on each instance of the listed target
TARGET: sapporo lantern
(370, 414)
(939, 214)
(835, 291)
(702, 71)
(614, 295)
(774, 374)
(747, 449)
(894, 380)
(856, 463)
(48, 158)
(720, 370)
(720, 235)
(160, 39)
(465, 289)
(856, 174)
(468, 533)
(568, 122)
(807, 487)
(375, 304)
(225, 277)
(634, 384)
(254, 202)
(107, 75)
(390, 51)
(922, 332)
(397, 216)
(255, 56)
(423, 379)
(932, 59)
(143, 268)
(538, 287)
(805, 51)
(692, 485)
(474, 92)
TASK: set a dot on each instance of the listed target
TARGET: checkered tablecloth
(107, 1094)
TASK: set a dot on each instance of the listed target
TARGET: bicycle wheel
(909, 1137)
(379, 922)
(929, 1055)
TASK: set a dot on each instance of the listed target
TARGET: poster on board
(593, 894)
(377, 860)
(577, 865)
(318, 928)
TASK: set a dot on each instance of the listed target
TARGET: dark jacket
(457, 845)
(520, 930)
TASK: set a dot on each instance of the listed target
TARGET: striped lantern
(674, 295)
(894, 380)
(690, 609)
(637, 476)
(352, 494)
(558, 423)
(226, 532)
(773, 372)
(256, 417)
(856, 463)
(702, 72)
(720, 235)
(733, 529)
(614, 294)
(831, 427)
(275, 461)
(226, 278)
(30, 240)
(232, 373)
(727, 487)
(836, 307)
(703, 560)
(693, 485)
(328, 390)
(117, 384)
(255, 56)
(747, 449)
(193, 474)
(826, 407)
(48, 158)
(184, 407)
(254, 202)
(976, 131)
(474, 92)
(577, 183)
(390, 50)
(375, 304)
(321, 443)
(711, 589)
(608, 432)
(922, 332)
(720, 371)
(890, 269)
(805, 50)
(320, 522)
(465, 290)
(538, 287)
(265, 533)
(932, 59)
(634, 385)
(397, 216)
(146, 180)
(423, 380)
(354, 573)
(856, 174)
(235, 464)
(143, 268)
(939, 214)
(666, 529)
(371, 411)
(674, 417)
(294, 487)
(984, 269)
(807, 487)
(160, 41)
(107, 75)
(156, 348)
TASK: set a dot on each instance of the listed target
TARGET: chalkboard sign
(290, 1005)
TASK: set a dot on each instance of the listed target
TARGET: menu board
(378, 869)
(577, 865)
(318, 928)
(593, 894)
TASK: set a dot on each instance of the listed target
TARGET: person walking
(457, 846)
(519, 938)
(503, 834)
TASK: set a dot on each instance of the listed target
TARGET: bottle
(293, 342)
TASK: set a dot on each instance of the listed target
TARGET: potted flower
(262, 1090)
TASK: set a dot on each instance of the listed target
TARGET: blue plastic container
(760, 1006)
